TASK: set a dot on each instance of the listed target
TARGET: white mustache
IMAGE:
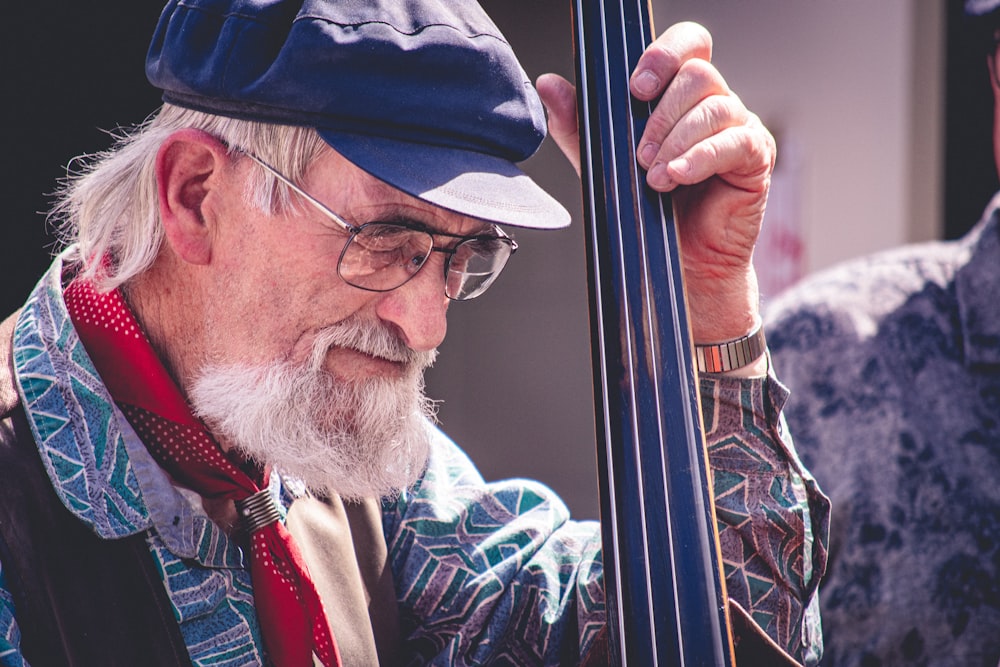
(369, 338)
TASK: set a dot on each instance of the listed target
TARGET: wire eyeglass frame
(383, 256)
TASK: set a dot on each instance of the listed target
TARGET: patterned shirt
(484, 573)
(894, 367)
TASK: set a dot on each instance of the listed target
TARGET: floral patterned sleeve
(498, 573)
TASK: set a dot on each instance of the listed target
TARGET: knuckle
(759, 153)
(700, 34)
(713, 152)
(701, 75)
(661, 58)
(659, 124)
(718, 112)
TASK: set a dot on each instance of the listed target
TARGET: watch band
(731, 355)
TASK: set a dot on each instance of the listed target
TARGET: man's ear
(189, 164)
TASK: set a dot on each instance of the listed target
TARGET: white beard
(361, 438)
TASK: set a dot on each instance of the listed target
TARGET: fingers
(699, 98)
(718, 136)
(697, 105)
(559, 98)
(700, 128)
(741, 156)
(664, 57)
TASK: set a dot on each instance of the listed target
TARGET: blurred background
(881, 110)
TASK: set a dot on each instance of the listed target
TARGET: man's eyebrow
(404, 216)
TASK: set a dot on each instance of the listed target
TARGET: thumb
(559, 98)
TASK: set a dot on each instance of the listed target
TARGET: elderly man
(894, 365)
(215, 444)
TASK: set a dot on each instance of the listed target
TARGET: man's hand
(712, 153)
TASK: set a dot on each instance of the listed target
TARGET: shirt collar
(99, 468)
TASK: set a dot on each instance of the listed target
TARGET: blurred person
(893, 362)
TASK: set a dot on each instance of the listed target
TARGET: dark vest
(79, 600)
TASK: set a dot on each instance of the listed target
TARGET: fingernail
(648, 153)
(658, 177)
(646, 82)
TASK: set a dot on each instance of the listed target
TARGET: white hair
(107, 207)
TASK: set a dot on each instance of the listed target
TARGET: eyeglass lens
(383, 256)
(474, 266)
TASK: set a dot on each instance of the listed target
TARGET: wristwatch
(732, 354)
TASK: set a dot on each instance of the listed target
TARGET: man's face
(277, 282)
(304, 372)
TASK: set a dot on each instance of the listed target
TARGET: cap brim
(474, 184)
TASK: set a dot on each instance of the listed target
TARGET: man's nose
(419, 308)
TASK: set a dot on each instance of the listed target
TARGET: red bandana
(289, 608)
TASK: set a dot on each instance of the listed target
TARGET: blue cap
(426, 95)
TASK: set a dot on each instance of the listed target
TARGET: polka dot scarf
(290, 611)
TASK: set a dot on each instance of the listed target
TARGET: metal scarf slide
(664, 585)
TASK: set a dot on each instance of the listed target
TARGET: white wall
(846, 84)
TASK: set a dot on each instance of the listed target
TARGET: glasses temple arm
(348, 227)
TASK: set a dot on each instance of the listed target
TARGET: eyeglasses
(381, 256)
